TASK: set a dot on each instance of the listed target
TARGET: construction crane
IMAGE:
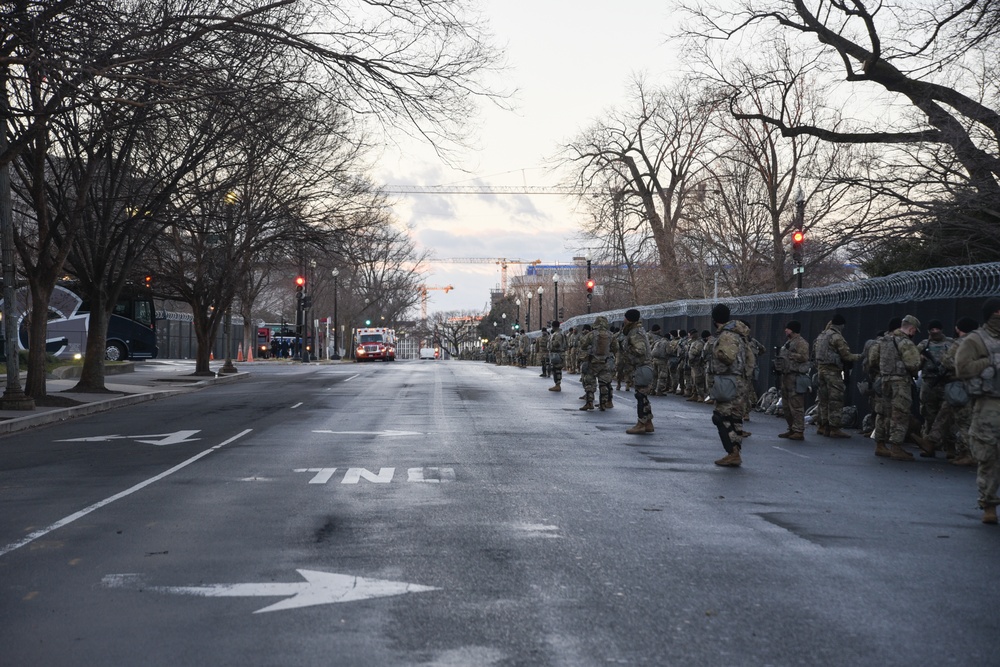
(423, 289)
(502, 261)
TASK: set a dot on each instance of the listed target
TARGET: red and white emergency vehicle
(375, 343)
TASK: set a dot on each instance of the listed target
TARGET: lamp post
(541, 318)
(517, 320)
(504, 318)
(800, 215)
(590, 296)
(527, 313)
(555, 305)
(227, 326)
(336, 330)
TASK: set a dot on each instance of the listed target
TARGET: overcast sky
(569, 61)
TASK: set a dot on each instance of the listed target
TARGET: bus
(131, 328)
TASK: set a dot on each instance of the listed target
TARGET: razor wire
(975, 280)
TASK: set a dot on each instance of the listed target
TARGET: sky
(569, 62)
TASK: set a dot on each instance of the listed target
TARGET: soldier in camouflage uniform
(977, 361)
(682, 361)
(898, 363)
(601, 356)
(557, 346)
(950, 429)
(727, 365)
(793, 364)
(833, 357)
(542, 347)
(655, 338)
(932, 351)
(622, 369)
(697, 364)
(636, 350)
(571, 339)
(661, 364)
(587, 377)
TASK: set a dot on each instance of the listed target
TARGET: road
(457, 513)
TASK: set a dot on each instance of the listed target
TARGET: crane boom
(502, 261)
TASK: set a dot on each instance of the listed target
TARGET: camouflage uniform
(932, 351)
(601, 356)
(728, 365)
(697, 364)
(950, 429)
(977, 361)
(557, 345)
(571, 342)
(661, 364)
(673, 362)
(584, 341)
(623, 371)
(898, 363)
(793, 364)
(656, 350)
(682, 362)
(542, 347)
(637, 353)
(833, 355)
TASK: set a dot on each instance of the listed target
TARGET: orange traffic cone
(239, 352)
(211, 355)
(249, 355)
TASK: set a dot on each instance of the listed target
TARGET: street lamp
(541, 318)
(504, 317)
(555, 308)
(800, 215)
(518, 319)
(336, 347)
(527, 314)
(227, 340)
(590, 295)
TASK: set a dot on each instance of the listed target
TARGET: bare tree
(652, 154)
(937, 114)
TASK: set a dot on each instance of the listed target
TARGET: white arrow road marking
(318, 588)
(388, 434)
(174, 438)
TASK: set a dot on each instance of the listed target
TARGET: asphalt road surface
(457, 513)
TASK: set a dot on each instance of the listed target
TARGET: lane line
(296, 405)
(107, 501)
(788, 451)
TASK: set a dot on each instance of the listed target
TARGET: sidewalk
(131, 383)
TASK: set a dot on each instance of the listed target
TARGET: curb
(54, 416)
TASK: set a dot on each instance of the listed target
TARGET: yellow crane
(502, 261)
(423, 289)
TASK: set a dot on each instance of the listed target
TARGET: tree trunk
(38, 322)
(92, 374)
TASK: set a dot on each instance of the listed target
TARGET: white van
(428, 353)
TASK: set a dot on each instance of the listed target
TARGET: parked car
(428, 353)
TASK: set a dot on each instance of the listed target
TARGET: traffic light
(149, 282)
(300, 287)
(590, 286)
(798, 237)
(368, 323)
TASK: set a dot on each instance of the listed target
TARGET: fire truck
(375, 343)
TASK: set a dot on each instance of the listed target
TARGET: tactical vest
(987, 383)
(890, 361)
(557, 343)
(936, 349)
(787, 365)
(825, 354)
(739, 364)
(695, 353)
(601, 345)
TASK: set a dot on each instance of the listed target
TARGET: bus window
(144, 312)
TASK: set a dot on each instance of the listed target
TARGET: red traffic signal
(300, 281)
(798, 237)
(590, 286)
(149, 282)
